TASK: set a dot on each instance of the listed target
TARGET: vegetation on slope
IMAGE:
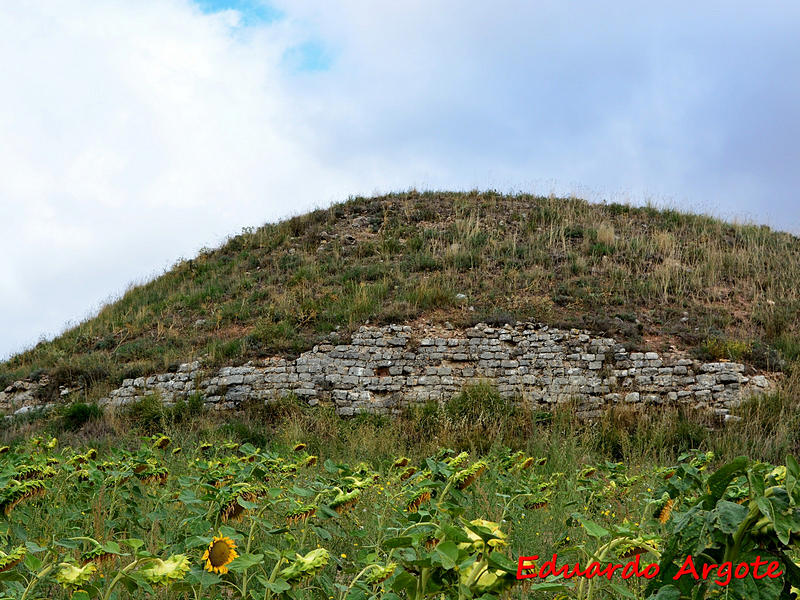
(649, 277)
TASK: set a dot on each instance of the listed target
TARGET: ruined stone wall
(384, 369)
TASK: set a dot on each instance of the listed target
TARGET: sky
(133, 133)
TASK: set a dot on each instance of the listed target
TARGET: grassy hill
(652, 278)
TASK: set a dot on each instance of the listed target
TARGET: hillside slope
(645, 276)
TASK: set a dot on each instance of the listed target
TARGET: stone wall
(385, 369)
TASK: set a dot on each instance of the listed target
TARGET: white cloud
(135, 132)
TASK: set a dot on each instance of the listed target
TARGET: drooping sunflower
(457, 460)
(478, 543)
(177, 450)
(161, 441)
(12, 559)
(401, 462)
(231, 508)
(418, 498)
(407, 473)
(303, 567)
(380, 573)
(527, 463)
(344, 501)
(4, 449)
(664, 509)
(205, 447)
(164, 572)
(637, 545)
(220, 553)
(153, 474)
(26, 471)
(20, 491)
(70, 575)
(466, 477)
(299, 447)
(301, 513)
(97, 555)
(308, 461)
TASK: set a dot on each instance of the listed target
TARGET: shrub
(77, 414)
(479, 405)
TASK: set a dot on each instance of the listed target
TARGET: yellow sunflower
(221, 552)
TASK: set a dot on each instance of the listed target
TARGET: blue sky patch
(252, 11)
(308, 56)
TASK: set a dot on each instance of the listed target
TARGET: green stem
(32, 583)
(121, 574)
(353, 582)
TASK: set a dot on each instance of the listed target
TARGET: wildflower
(299, 447)
(161, 442)
(220, 553)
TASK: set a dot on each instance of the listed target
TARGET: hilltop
(651, 278)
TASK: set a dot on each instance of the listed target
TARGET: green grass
(278, 289)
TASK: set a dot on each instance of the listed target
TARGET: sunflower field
(232, 521)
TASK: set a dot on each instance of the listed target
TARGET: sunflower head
(308, 461)
(490, 580)
(97, 555)
(163, 572)
(418, 498)
(467, 477)
(301, 513)
(493, 536)
(231, 508)
(303, 567)
(205, 447)
(70, 575)
(220, 553)
(407, 473)
(4, 449)
(12, 559)
(380, 573)
(299, 447)
(401, 462)
(664, 510)
(161, 442)
(20, 491)
(344, 501)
